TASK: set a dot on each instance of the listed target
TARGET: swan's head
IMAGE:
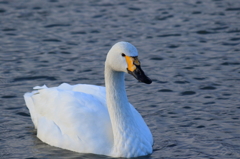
(123, 57)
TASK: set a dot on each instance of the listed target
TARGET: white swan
(94, 119)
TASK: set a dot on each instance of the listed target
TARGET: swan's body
(94, 119)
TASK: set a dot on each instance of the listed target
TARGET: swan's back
(72, 117)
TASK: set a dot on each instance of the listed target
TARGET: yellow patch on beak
(132, 62)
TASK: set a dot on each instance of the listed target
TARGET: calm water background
(190, 48)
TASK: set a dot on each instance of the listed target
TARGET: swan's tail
(30, 105)
(28, 97)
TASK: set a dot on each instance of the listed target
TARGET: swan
(94, 119)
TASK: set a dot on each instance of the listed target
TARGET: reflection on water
(191, 50)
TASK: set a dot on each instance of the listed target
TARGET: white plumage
(92, 119)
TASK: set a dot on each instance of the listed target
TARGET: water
(191, 50)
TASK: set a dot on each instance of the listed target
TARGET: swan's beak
(135, 70)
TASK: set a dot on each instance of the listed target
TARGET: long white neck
(127, 136)
(119, 110)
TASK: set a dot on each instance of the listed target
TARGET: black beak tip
(140, 76)
(147, 81)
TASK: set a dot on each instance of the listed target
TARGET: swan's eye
(123, 55)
